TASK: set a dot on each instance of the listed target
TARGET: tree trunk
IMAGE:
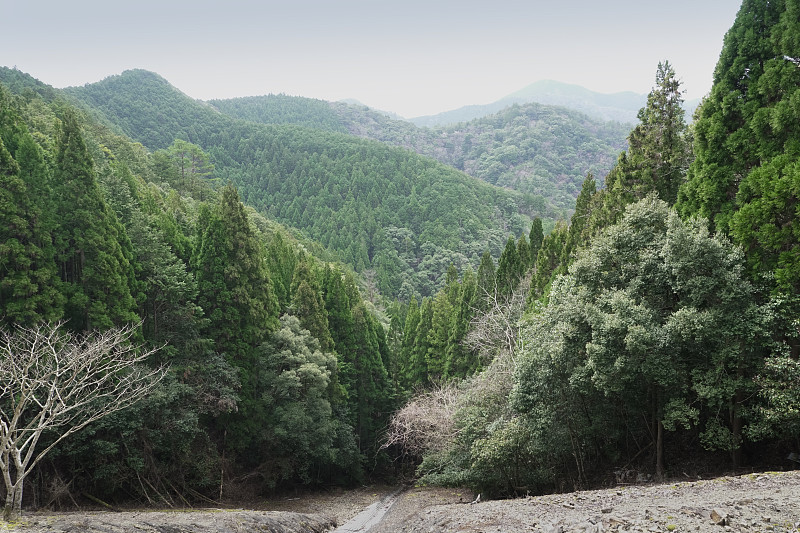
(736, 429)
(13, 508)
(660, 452)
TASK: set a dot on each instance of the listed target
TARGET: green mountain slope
(283, 109)
(539, 150)
(382, 209)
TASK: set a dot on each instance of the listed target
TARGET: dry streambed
(765, 502)
(192, 521)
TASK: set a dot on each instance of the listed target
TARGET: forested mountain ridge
(536, 149)
(618, 107)
(382, 209)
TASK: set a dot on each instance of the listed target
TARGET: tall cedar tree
(535, 238)
(407, 376)
(28, 292)
(445, 304)
(233, 281)
(308, 306)
(419, 352)
(372, 382)
(658, 155)
(340, 324)
(746, 175)
(486, 279)
(659, 148)
(461, 362)
(92, 249)
(281, 262)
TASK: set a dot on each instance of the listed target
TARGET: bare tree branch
(496, 330)
(426, 422)
(51, 379)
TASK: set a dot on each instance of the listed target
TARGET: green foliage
(191, 168)
(382, 208)
(539, 150)
(548, 260)
(299, 438)
(199, 279)
(408, 375)
(233, 281)
(779, 414)
(535, 238)
(655, 162)
(460, 360)
(93, 252)
(487, 282)
(659, 147)
(28, 292)
(654, 319)
(745, 177)
(510, 268)
(283, 109)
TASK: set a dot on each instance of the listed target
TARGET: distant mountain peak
(619, 107)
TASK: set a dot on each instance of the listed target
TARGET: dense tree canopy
(378, 207)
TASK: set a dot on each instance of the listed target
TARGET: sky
(410, 57)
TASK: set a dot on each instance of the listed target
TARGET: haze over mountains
(617, 107)
(539, 150)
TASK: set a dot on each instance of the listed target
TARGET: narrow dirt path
(370, 516)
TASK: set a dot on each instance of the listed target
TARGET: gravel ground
(764, 502)
(188, 521)
(338, 505)
(755, 502)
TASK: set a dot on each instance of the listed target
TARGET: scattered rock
(717, 518)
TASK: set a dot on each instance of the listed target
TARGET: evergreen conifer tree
(460, 361)
(418, 361)
(659, 148)
(233, 281)
(438, 335)
(745, 174)
(407, 346)
(93, 265)
(508, 268)
(28, 292)
(535, 238)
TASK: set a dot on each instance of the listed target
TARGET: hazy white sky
(411, 57)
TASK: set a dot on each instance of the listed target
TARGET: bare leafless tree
(55, 381)
(495, 328)
(426, 422)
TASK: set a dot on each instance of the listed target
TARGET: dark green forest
(277, 364)
(332, 310)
